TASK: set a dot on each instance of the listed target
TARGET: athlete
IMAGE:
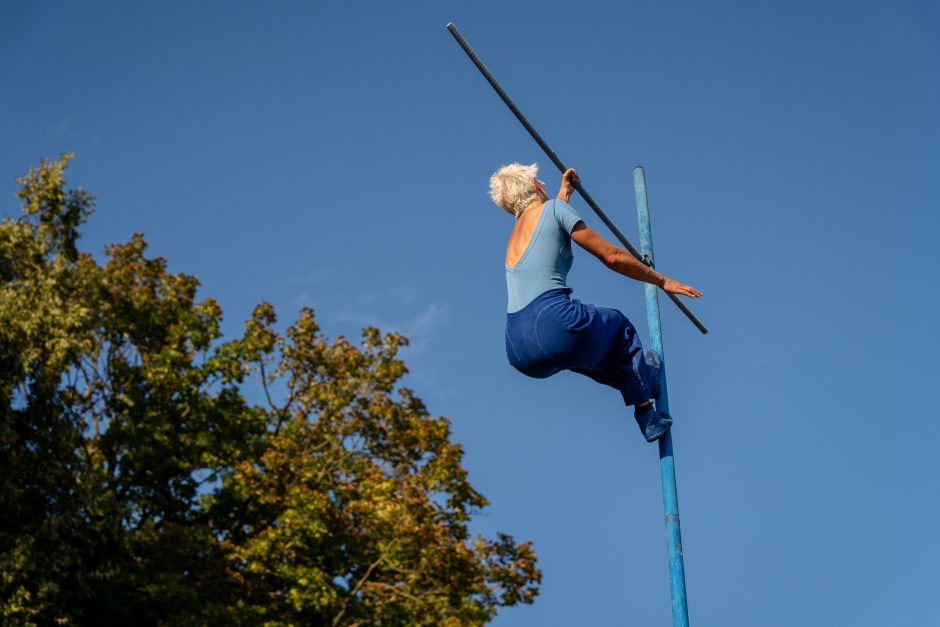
(547, 331)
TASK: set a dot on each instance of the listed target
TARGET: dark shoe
(653, 424)
(655, 366)
(658, 427)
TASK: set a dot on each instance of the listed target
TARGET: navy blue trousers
(555, 332)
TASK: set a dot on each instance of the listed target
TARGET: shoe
(653, 424)
(652, 360)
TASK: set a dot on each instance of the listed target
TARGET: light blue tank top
(545, 263)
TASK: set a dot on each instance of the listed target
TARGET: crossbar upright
(667, 465)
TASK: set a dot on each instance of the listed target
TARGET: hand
(568, 180)
(674, 287)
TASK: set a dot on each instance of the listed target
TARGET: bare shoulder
(521, 234)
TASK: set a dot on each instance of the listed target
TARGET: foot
(655, 366)
(653, 424)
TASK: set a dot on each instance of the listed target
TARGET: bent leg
(624, 366)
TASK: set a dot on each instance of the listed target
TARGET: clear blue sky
(337, 155)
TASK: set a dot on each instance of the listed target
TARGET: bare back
(521, 234)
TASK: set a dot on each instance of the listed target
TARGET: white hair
(512, 186)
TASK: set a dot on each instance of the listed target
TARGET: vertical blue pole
(667, 466)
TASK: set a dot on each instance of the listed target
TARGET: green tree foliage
(139, 484)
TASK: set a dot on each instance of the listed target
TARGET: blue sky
(336, 155)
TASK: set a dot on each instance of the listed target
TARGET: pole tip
(637, 167)
(450, 26)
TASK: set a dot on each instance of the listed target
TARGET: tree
(140, 485)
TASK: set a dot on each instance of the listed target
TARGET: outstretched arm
(622, 262)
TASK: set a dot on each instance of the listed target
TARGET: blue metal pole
(667, 466)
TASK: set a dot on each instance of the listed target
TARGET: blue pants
(555, 332)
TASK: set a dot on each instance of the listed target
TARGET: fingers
(675, 287)
(571, 176)
(686, 290)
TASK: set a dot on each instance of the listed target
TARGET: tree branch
(355, 591)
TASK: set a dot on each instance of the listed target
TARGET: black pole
(561, 166)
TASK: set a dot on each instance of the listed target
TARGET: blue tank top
(545, 262)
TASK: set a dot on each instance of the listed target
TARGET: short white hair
(512, 186)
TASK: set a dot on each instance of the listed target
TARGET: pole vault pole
(667, 465)
(561, 166)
